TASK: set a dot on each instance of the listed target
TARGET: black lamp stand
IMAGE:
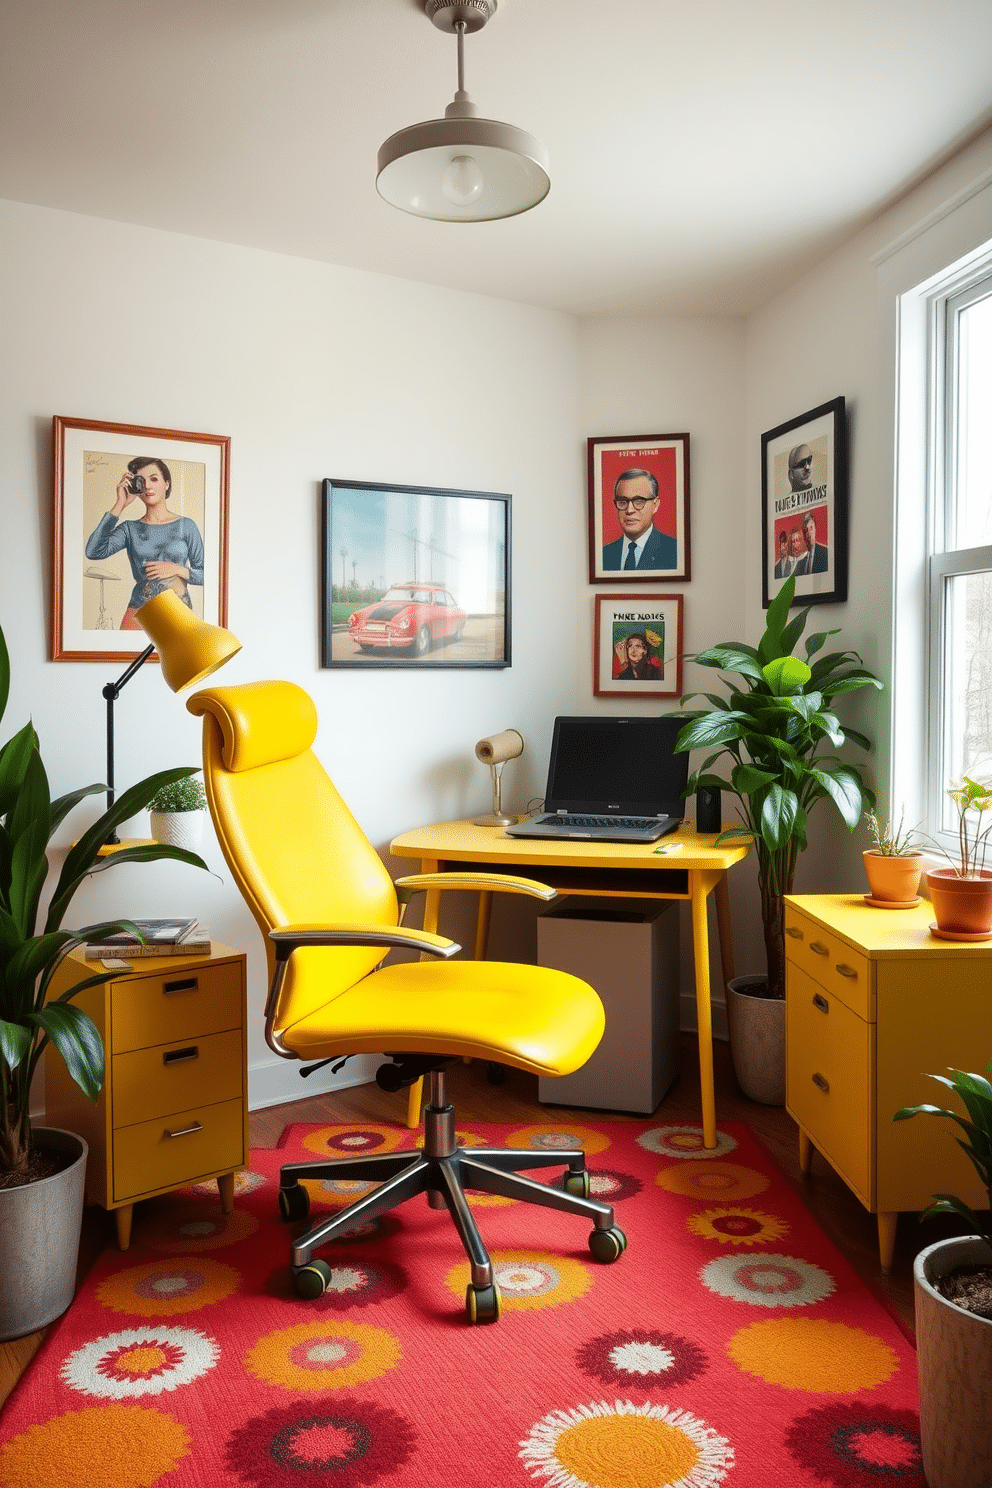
(112, 692)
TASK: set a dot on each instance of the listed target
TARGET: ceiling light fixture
(462, 168)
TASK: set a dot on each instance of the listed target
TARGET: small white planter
(954, 1363)
(178, 828)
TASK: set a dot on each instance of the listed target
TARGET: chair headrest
(261, 722)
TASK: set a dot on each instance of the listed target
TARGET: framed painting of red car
(414, 576)
(639, 509)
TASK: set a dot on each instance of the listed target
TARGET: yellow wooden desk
(617, 869)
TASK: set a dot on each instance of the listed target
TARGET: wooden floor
(828, 1199)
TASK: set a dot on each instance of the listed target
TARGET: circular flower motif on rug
(737, 1226)
(684, 1141)
(850, 1445)
(335, 1193)
(324, 1356)
(356, 1140)
(812, 1354)
(379, 1228)
(767, 1280)
(550, 1138)
(164, 1287)
(529, 1278)
(609, 1186)
(244, 1183)
(140, 1361)
(105, 1446)
(639, 1446)
(195, 1227)
(347, 1443)
(713, 1180)
(355, 1282)
(462, 1139)
(640, 1356)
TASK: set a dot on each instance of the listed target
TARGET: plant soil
(39, 1165)
(761, 989)
(969, 1287)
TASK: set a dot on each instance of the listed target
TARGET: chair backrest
(296, 852)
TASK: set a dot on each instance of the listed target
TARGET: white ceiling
(701, 154)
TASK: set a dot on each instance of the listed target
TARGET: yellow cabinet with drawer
(174, 1108)
(874, 1005)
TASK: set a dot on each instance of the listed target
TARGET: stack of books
(174, 937)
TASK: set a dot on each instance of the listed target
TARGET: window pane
(968, 681)
(974, 457)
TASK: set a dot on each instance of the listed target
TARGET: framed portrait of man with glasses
(639, 508)
(804, 506)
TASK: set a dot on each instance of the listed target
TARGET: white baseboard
(276, 1081)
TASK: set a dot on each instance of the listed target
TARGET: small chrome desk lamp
(494, 752)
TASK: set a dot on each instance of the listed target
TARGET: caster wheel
(577, 1184)
(311, 1281)
(495, 1073)
(294, 1203)
(607, 1246)
(482, 1303)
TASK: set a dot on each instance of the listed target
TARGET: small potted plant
(894, 866)
(953, 1298)
(961, 894)
(177, 813)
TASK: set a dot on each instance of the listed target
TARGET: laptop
(612, 780)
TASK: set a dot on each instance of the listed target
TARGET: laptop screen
(617, 766)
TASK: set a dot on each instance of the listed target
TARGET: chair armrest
(419, 883)
(291, 937)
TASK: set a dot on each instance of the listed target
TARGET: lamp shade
(188, 647)
(463, 169)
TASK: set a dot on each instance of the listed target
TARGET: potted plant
(41, 1169)
(894, 866)
(177, 813)
(953, 1298)
(961, 894)
(778, 729)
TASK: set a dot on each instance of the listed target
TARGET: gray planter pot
(39, 1240)
(954, 1363)
(757, 1040)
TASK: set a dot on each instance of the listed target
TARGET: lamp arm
(112, 692)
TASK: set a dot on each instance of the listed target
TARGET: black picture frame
(804, 476)
(425, 569)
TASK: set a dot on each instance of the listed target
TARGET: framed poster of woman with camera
(136, 511)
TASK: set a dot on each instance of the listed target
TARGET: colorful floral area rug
(730, 1344)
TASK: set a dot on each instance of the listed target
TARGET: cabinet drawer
(176, 1005)
(842, 971)
(154, 1082)
(828, 1077)
(178, 1149)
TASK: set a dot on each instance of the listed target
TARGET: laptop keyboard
(570, 819)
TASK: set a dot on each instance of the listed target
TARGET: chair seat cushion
(530, 1017)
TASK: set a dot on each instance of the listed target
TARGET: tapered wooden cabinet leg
(122, 1219)
(805, 1152)
(887, 1222)
(225, 1187)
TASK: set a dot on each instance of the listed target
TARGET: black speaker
(708, 809)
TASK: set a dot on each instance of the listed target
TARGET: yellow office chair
(330, 911)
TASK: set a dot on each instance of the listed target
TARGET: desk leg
(482, 923)
(700, 884)
(432, 903)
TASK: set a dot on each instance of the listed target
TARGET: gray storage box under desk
(629, 952)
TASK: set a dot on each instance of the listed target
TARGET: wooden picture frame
(102, 570)
(654, 469)
(804, 506)
(424, 576)
(637, 645)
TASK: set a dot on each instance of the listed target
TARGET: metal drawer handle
(794, 931)
(818, 949)
(198, 1126)
(181, 1056)
(846, 971)
(821, 1003)
(188, 984)
(821, 1083)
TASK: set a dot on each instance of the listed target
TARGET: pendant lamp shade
(188, 647)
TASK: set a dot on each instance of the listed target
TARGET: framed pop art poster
(804, 506)
(639, 509)
(137, 510)
(637, 648)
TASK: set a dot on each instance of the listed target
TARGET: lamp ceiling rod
(460, 32)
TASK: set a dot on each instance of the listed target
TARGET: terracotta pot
(757, 1040)
(961, 905)
(954, 1363)
(893, 878)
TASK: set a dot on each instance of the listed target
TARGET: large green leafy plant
(32, 944)
(778, 727)
(975, 1094)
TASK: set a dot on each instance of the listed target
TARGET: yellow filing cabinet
(875, 1004)
(174, 1107)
